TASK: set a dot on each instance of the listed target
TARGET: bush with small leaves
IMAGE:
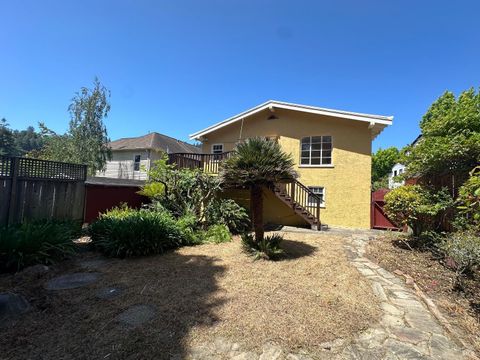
(217, 234)
(229, 213)
(417, 207)
(464, 249)
(468, 202)
(187, 225)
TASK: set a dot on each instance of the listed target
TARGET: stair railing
(302, 196)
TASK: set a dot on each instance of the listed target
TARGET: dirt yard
(462, 307)
(198, 294)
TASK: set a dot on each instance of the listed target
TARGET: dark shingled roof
(104, 181)
(154, 141)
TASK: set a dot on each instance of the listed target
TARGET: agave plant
(257, 163)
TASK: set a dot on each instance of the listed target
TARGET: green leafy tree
(86, 141)
(257, 163)
(382, 163)
(28, 140)
(7, 140)
(450, 141)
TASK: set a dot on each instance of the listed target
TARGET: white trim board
(272, 104)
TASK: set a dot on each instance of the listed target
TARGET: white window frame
(213, 148)
(321, 152)
(139, 162)
(314, 203)
(214, 153)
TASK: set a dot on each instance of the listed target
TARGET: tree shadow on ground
(296, 249)
(76, 324)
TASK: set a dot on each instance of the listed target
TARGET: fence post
(12, 202)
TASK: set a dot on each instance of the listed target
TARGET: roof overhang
(376, 122)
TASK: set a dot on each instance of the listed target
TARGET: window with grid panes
(316, 150)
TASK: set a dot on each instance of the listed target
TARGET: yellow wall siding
(346, 182)
(274, 211)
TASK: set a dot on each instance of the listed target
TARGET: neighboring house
(397, 170)
(332, 153)
(133, 157)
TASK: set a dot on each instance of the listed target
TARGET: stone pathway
(72, 281)
(137, 315)
(12, 306)
(407, 329)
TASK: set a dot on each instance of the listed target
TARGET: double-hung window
(316, 150)
(136, 163)
(320, 192)
(217, 150)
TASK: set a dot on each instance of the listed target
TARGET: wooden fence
(38, 189)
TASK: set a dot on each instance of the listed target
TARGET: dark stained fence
(38, 189)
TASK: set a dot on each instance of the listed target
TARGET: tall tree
(450, 141)
(28, 140)
(7, 140)
(257, 163)
(87, 140)
(89, 134)
(383, 161)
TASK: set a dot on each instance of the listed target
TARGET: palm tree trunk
(256, 199)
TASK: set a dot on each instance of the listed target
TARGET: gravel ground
(193, 295)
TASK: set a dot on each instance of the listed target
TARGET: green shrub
(464, 249)
(469, 202)
(126, 232)
(38, 242)
(268, 248)
(229, 213)
(153, 190)
(217, 234)
(417, 207)
(187, 225)
(180, 191)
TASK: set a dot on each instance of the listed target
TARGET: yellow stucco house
(332, 153)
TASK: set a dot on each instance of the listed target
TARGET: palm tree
(257, 163)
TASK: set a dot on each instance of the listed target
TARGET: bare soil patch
(199, 294)
(461, 306)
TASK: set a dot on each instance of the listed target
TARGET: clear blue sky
(178, 66)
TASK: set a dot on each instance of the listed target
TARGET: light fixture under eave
(272, 117)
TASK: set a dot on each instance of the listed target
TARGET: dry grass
(200, 293)
(436, 281)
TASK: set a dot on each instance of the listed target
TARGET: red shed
(103, 193)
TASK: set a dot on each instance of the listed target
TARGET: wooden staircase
(302, 200)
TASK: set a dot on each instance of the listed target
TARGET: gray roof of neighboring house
(154, 141)
(104, 181)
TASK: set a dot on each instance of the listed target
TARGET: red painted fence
(379, 219)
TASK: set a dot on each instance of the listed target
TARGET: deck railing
(207, 162)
